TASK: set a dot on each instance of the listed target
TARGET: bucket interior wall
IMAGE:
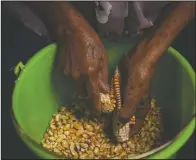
(35, 99)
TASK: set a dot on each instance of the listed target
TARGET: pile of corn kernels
(73, 133)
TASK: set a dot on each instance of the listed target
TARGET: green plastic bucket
(35, 100)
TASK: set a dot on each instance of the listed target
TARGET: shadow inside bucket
(64, 86)
(174, 96)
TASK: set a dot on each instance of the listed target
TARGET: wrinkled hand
(140, 65)
(83, 57)
(136, 76)
(80, 54)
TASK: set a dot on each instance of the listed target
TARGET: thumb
(136, 128)
(94, 94)
(103, 76)
(103, 87)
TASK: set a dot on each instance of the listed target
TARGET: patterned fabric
(102, 11)
(126, 17)
(108, 18)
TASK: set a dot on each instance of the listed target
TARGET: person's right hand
(81, 53)
(83, 57)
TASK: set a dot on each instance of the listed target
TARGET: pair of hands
(82, 56)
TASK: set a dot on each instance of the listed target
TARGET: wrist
(125, 115)
(123, 120)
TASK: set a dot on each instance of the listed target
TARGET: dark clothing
(19, 43)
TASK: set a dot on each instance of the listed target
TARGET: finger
(62, 63)
(94, 94)
(143, 107)
(136, 128)
(129, 104)
(103, 87)
(123, 68)
(139, 106)
(96, 100)
(103, 80)
(134, 93)
(125, 114)
(103, 75)
(133, 90)
(141, 112)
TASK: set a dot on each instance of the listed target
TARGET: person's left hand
(136, 76)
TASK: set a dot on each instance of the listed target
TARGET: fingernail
(107, 88)
(104, 87)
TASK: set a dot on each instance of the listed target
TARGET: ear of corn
(114, 98)
(116, 85)
(73, 136)
(132, 121)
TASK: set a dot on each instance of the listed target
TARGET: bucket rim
(161, 152)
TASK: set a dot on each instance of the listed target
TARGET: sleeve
(117, 18)
(28, 18)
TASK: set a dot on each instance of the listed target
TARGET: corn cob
(116, 81)
(114, 98)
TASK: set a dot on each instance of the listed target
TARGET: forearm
(169, 28)
(149, 51)
(60, 18)
(147, 54)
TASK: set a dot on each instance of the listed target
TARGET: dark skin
(80, 51)
(140, 64)
(82, 56)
